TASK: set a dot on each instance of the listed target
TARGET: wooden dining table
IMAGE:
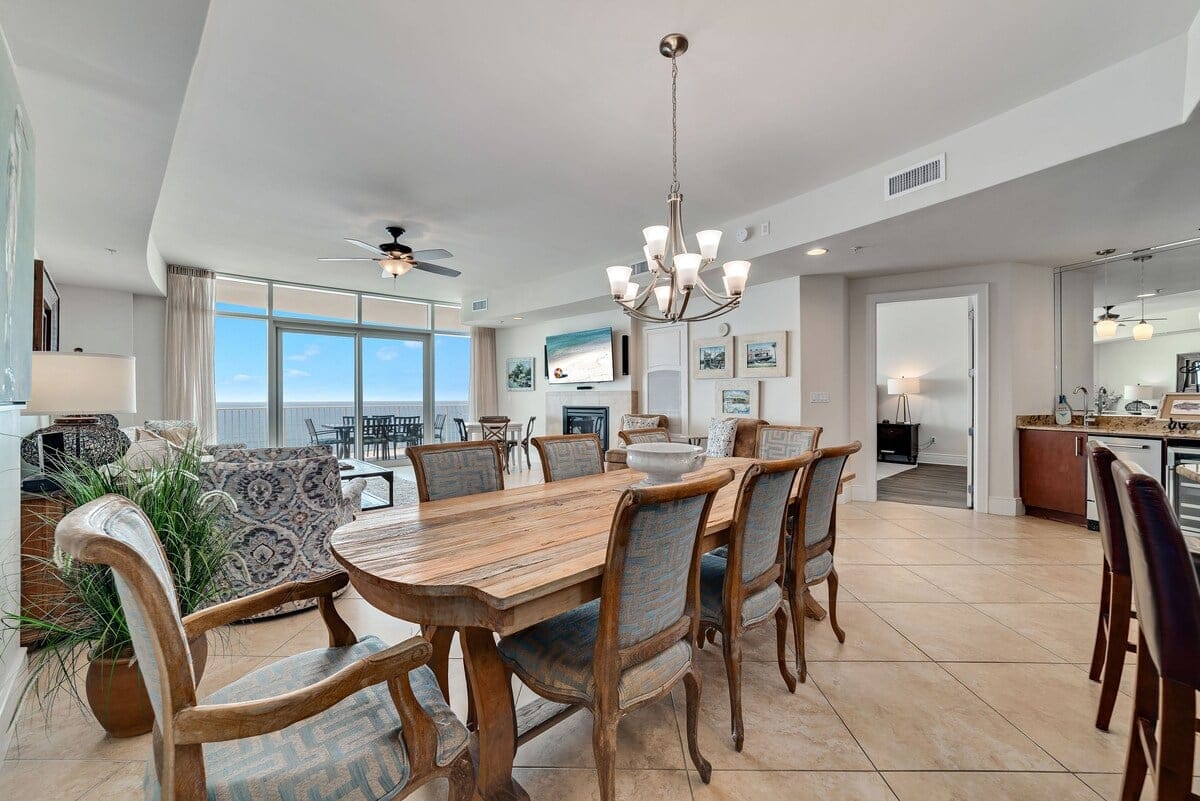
(497, 563)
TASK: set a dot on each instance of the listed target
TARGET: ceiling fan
(1107, 322)
(396, 259)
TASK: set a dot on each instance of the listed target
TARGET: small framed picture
(712, 358)
(763, 355)
(519, 372)
(737, 399)
(1182, 407)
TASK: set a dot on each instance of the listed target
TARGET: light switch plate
(818, 397)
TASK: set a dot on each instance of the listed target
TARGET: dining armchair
(288, 502)
(453, 469)
(1116, 586)
(439, 428)
(377, 430)
(316, 437)
(745, 589)
(811, 559)
(639, 435)
(636, 642)
(569, 456)
(358, 719)
(1162, 737)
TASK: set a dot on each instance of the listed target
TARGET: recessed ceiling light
(817, 251)
(518, 317)
(1148, 294)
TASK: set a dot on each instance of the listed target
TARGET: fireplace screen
(587, 420)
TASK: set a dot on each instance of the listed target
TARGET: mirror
(1129, 328)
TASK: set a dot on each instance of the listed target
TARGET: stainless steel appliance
(1145, 453)
(1184, 494)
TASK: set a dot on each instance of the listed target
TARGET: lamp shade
(1139, 392)
(71, 383)
(903, 386)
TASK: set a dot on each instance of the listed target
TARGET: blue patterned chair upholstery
(639, 435)
(289, 502)
(744, 589)
(454, 469)
(647, 606)
(569, 456)
(786, 442)
(318, 725)
(811, 559)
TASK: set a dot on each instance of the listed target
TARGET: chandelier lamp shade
(674, 270)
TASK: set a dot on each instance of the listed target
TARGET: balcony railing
(247, 422)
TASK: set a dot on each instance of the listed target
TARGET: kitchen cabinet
(1053, 467)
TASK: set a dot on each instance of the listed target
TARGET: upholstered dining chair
(639, 435)
(630, 647)
(1162, 737)
(288, 502)
(786, 442)
(356, 720)
(453, 469)
(744, 589)
(812, 544)
(569, 456)
(1116, 586)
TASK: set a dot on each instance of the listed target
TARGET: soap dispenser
(1062, 411)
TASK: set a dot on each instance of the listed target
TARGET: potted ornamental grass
(89, 623)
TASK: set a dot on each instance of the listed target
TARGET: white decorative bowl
(663, 462)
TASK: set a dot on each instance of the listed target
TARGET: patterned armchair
(644, 435)
(744, 589)
(289, 501)
(635, 643)
(811, 559)
(614, 458)
(356, 720)
(569, 456)
(454, 469)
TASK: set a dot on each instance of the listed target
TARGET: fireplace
(587, 420)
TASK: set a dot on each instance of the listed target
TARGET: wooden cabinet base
(1057, 516)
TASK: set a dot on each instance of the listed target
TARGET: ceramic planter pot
(117, 695)
(663, 462)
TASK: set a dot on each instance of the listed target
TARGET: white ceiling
(529, 138)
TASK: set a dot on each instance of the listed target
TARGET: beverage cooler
(1185, 494)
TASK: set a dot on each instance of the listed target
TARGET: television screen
(580, 358)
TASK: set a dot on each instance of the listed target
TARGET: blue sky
(319, 367)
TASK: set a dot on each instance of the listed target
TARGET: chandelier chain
(674, 126)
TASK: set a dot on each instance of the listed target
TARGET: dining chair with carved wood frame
(566, 456)
(636, 436)
(636, 642)
(453, 469)
(744, 589)
(265, 734)
(494, 428)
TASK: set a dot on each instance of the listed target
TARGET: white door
(666, 380)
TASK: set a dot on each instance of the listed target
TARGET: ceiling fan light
(395, 267)
(1106, 329)
(1143, 331)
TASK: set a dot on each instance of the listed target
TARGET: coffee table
(360, 469)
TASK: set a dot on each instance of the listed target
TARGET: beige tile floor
(963, 676)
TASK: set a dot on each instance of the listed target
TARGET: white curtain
(190, 342)
(484, 399)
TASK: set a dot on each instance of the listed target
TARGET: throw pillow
(630, 422)
(178, 436)
(148, 453)
(720, 436)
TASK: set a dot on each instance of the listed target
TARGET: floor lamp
(903, 387)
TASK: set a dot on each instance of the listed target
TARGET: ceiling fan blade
(436, 269)
(436, 253)
(335, 258)
(365, 246)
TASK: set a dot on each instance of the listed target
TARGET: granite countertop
(1112, 425)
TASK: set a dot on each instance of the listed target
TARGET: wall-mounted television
(583, 357)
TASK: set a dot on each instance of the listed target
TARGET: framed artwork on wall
(762, 355)
(712, 358)
(1181, 407)
(519, 374)
(737, 398)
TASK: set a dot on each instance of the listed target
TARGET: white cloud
(243, 378)
(412, 343)
(387, 353)
(308, 353)
(293, 373)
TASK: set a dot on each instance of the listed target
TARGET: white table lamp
(903, 387)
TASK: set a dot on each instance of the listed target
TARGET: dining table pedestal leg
(496, 726)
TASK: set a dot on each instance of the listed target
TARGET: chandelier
(674, 271)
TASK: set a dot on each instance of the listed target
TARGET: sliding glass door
(362, 391)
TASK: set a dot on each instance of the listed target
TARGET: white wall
(928, 340)
(765, 307)
(1124, 361)
(530, 340)
(113, 321)
(825, 355)
(12, 656)
(1021, 360)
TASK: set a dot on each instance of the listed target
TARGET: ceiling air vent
(479, 305)
(915, 177)
(639, 268)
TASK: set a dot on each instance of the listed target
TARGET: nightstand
(898, 439)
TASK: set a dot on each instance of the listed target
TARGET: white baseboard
(10, 686)
(1009, 507)
(953, 459)
(862, 492)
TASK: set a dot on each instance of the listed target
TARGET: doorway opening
(925, 393)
